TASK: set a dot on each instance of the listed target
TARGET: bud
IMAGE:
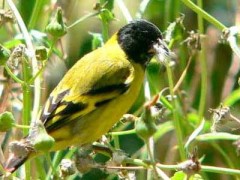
(67, 168)
(84, 162)
(4, 55)
(42, 141)
(41, 53)
(97, 40)
(145, 125)
(7, 121)
(56, 27)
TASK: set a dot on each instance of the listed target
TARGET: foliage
(192, 127)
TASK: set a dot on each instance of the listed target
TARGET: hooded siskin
(97, 90)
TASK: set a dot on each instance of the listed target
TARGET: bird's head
(141, 40)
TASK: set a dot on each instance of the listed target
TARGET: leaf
(194, 134)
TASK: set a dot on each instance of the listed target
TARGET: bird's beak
(162, 51)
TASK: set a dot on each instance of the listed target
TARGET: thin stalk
(27, 105)
(150, 152)
(132, 131)
(21, 126)
(204, 168)
(13, 76)
(203, 64)
(48, 157)
(116, 142)
(83, 18)
(38, 6)
(176, 119)
(56, 160)
(173, 10)
(142, 8)
(124, 10)
(40, 170)
(204, 14)
(30, 47)
(105, 31)
(183, 75)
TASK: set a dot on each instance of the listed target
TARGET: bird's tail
(20, 151)
(14, 162)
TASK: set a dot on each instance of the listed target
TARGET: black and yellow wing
(95, 80)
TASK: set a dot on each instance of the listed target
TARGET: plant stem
(203, 64)
(56, 160)
(83, 18)
(105, 31)
(26, 73)
(38, 6)
(142, 8)
(132, 131)
(33, 61)
(204, 14)
(27, 103)
(150, 151)
(21, 126)
(13, 75)
(204, 168)
(124, 10)
(176, 119)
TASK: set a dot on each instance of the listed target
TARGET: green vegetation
(185, 123)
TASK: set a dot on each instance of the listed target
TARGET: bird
(98, 90)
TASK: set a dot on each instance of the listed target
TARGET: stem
(176, 119)
(21, 126)
(26, 73)
(13, 76)
(48, 157)
(124, 10)
(150, 151)
(27, 103)
(116, 142)
(132, 131)
(203, 64)
(56, 160)
(38, 6)
(83, 18)
(26, 111)
(30, 47)
(178, 84)
(204, 168)
(204, 14)
(105, 31)
(142, 8)
(40, 170)
(220, 170)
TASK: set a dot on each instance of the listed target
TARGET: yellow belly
(93, 125)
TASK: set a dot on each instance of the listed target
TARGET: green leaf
(97, 40)
(106, 16)
(194, 134)
(180, 175)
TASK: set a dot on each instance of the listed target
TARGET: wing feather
(79, 93)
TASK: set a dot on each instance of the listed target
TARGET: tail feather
(20, 151)
(14, 162)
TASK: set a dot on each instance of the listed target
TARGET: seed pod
(41, 53)
(7, 121)
(42, 141)
(57, 27)
(145, 125)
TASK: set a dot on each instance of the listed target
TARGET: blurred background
(191, 45)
